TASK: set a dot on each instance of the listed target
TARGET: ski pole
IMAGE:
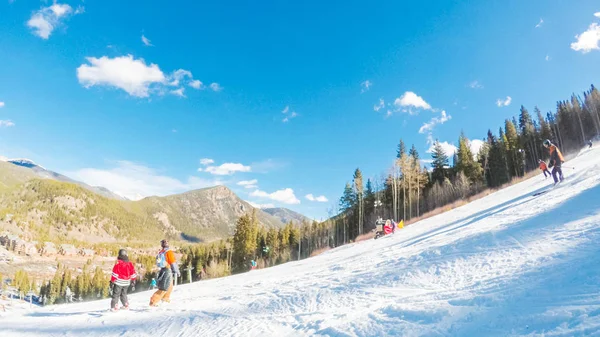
(569, 167)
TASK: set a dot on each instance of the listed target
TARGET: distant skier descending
(165, 260)
(123, 276)
(544, 168)
(556, 160)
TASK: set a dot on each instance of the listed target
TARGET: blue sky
(133, 95)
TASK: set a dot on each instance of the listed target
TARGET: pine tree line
(408, 190)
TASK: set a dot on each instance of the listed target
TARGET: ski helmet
(122, 254)
(164, 243)
(547, 143)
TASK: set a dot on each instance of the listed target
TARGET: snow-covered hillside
(508, 264)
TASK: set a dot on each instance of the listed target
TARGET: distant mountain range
(43, 205)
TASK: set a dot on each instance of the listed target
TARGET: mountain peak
(25, 162)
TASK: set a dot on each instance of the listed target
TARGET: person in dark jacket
(123, 276)
(556, 160)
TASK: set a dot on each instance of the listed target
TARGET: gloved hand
(110, 288)
(133, 286)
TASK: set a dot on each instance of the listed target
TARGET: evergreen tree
(465, 161)
(401, 149)
(439, 164)
(244, 241)
(359, 192)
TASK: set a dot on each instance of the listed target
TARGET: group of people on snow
(555, 162)
(124, 277)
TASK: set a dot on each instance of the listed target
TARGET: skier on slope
(556, 160)
(544, 168)
(590, 144)
(165, 260)
(123, 276)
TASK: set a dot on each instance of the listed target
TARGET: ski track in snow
(507, 264)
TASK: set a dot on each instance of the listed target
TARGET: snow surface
(507, 264)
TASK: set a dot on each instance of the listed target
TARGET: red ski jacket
(122, 274)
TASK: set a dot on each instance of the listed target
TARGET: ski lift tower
(189, 272)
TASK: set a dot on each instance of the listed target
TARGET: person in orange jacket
(544, 168)
(165, 260)
(556, 160)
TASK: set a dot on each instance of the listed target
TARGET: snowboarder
(165, 260)
(153, 284)
(123, 276)
(544, 168)
(556, 160)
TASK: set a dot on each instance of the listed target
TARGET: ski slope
(507, 264)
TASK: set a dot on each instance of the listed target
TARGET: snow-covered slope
(507, 264)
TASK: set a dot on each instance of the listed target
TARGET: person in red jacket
(544, 168)
(123, 276)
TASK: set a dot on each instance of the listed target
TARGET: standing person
(123, 276)
(153, 284)
(556, 160)
(68, 295)
(544, 168)
(165, 260)
(590, 144)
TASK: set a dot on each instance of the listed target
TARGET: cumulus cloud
(225, 169)
(196, 84)
(6, 123)
(216, 86)
(134, 76)
(1, 104)
(597, 14)
(449, 149)
(136, 181)
(124, 72)
(248, 183)
(365, 86)
(260, 206)
(206, 161)
(588, 40)
(320, 198)
(146, 41)
(285, 196)
(504, 102)
(475, 145)
(44, 21)
(428, 127)
(410, 100)
(379, 106)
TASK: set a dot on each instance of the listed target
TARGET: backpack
(161, 260)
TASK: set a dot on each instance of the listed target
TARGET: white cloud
(1, 104)
(6, 123)
(588, 40)
(597, 14)
(196, 84)
(365, 86)
(260, 206)
(124, 72)
(285, 196)
(540, 23)
(411, 100)
(216, 87)
(475, 145)
(475, 85)
(249, 183)
(178, 92)
(146, 41)
(226, 169)
(135, 181)
(379, 106)
(321, 198)
(288, 115)
(80, 10)
(45, 20)
(504, 102)
(206, 161)
(547, 57)
(449, 149)
(428, 127)
(179, 75)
